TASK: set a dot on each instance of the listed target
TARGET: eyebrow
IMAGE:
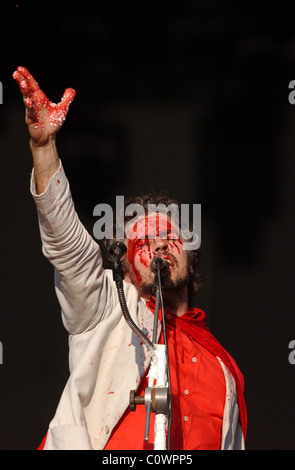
(162, 235)
(141, 240)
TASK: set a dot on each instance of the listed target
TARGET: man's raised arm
(80, 282)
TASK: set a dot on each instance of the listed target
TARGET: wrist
(35, 146)
(46, 163)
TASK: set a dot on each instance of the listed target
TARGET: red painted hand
(44, 118)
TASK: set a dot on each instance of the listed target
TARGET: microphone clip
(116, 251)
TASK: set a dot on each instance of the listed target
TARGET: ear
(190, 268)
(126, 268)
(127, 278)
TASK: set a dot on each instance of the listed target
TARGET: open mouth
(169, 261)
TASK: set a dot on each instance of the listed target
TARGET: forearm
(46, 164)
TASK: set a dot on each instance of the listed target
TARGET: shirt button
(194, 359)
(186, 392)
(185, 418)
(107, 429)
(168, 316)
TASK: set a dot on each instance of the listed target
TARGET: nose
(159, 245)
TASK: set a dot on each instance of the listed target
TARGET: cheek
(138, 259)
(130, 257)
(183, 261)
(144, 258)
(175, 246)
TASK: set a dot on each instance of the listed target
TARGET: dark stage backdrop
(192, 99)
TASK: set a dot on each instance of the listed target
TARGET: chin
(169, 285)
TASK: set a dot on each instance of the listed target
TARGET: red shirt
(198, 397)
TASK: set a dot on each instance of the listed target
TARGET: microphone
(162, 263)
(116, 251)
(114, 255)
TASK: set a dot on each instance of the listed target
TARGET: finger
(27, 94)
(67, 98)
(29, 103)
(22, 82)
(59, 111)
(31, 81)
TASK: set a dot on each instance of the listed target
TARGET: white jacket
(104, 354)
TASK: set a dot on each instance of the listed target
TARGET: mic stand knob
(154, 399)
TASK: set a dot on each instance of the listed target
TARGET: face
(152, 236)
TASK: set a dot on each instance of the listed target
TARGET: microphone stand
(162, 372)
(157, 397)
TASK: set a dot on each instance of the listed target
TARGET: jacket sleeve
(84, 290)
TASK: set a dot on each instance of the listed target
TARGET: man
(106, 358)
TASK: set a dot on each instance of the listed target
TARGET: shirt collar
(193, 314)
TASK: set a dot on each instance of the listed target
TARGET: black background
(189, 97)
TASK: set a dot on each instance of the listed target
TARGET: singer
(106, 359)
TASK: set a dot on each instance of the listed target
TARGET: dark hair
(195, 280)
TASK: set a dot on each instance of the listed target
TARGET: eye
(172, 235)
(142, 244)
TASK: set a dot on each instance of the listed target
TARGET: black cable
(130, 321)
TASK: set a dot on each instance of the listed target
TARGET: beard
(170, 286)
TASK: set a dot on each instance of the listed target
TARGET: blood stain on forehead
(154, 226)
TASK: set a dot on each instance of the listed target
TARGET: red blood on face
(142, 236)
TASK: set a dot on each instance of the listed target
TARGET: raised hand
(44, 118)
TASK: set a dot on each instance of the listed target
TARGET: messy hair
(195, 280)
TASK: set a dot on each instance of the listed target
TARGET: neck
(176, 301)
